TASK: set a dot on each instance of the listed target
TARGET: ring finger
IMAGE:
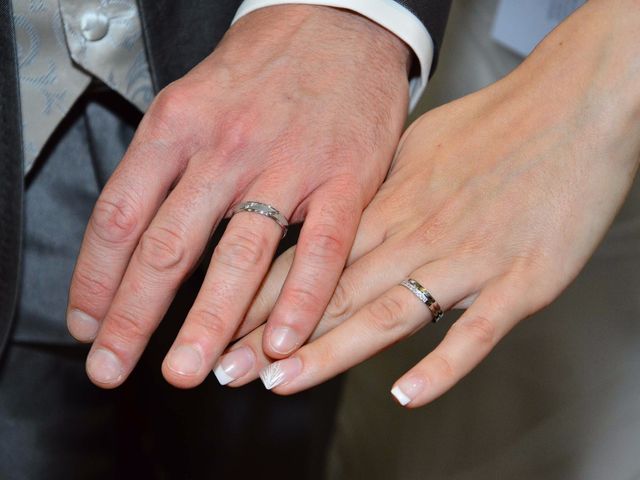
(237, 269)
(362, 282)
(386, 320)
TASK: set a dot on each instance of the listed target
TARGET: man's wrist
(321, 30)
(389, 14)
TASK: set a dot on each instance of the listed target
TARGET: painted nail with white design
(407, 389)
(235, 364)
(400, 396)
(280, 373)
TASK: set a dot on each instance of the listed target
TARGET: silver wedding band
(265, 210)
(425, 297)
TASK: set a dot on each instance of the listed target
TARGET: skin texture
(494, 203)
(300, 107)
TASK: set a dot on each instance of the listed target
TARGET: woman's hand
(494, 203)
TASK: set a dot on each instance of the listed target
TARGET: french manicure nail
(185, 360)
(406, 390)
(281, 373)
(234, 365)
(83, 327)
(284, 340)
(104, 367)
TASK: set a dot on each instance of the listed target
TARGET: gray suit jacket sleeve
(180, 34)
(433, 14)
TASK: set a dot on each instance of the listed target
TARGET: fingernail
(185, 360)
(407, 390)
(284, 340)
(234, 365)
(281, 373)
(82, 327)
(104, 367)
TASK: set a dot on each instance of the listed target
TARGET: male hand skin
(300, 107)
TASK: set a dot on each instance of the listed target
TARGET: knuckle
(443, 368)
(126, 326)
(91, 284)
(304, 298)
(480, 330)
(170, 105)
(341, 304)
(162, 249)
(324, 353)
(210, 323)
(524, 293)
(241, 250)
(431, 232)
(387, 314)
(527, 285)
(236, 132)
(115, 218)
(326, 242)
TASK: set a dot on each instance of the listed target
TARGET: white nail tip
(400, 396)
(272, 376)
(222, 376)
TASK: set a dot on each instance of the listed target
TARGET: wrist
(324, 29)
(587, 71)
(598, 45)
(610, 33)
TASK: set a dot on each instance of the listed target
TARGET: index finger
(122, 212)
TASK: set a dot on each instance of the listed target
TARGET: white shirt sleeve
(387, 13)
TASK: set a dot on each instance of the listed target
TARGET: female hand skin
(260, 119)
(494, 203)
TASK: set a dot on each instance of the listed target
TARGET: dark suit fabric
(54, 424)
(10, 173)
(434, 15)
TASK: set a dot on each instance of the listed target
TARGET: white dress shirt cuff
(387, 13)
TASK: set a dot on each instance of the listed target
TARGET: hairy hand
(300, 107)
(494, 203)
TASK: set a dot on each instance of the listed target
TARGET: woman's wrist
(586, 73)
(614, 26)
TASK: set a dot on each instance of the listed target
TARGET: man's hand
(300, 107)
